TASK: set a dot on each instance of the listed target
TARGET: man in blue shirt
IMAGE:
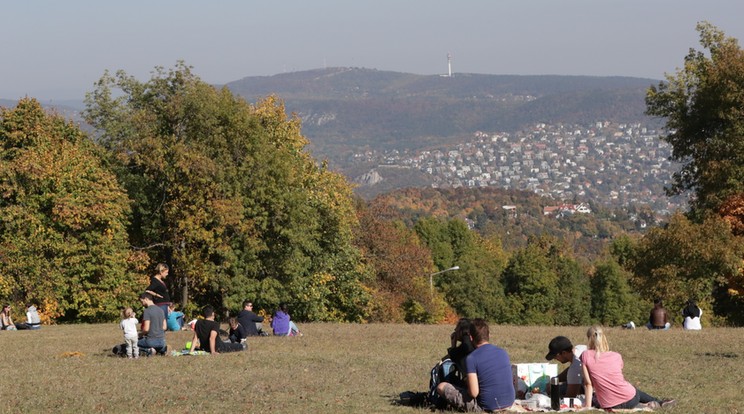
(490, 386)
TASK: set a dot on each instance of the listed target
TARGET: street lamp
(431, 277)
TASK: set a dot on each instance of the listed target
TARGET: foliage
(225, 193)
(400, 287)
(702, 103)
(689, 260)
(474, 290)
(613, 302)
(63, 232)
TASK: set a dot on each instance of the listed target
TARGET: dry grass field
(334, 368)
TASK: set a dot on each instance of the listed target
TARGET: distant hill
(346, 110)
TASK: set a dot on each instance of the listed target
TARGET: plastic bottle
(555, 394)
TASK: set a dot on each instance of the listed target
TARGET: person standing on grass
(129, 325)
(153, 327)
(603, 376)
(158, 289)
(249, 320)
(490, 385)
(207, 335)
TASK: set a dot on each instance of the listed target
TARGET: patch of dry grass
(334, 368)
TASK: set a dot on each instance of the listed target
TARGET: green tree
(702, 103)
(531, 282)
(226, 194)
(64, 216)
(612, 300)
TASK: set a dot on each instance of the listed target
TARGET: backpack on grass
(444, 371)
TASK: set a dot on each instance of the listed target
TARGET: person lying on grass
(207, 334)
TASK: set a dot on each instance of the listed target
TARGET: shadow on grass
(718, 354)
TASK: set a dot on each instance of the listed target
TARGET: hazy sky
(58, 49)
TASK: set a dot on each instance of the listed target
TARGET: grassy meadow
(333, 368)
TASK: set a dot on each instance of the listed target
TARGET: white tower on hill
(449, 65)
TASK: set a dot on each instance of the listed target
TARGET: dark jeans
(145, 344)
(228, 346)
(639, 397)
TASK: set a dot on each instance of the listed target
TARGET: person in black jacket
(461, 345)
(249, 320)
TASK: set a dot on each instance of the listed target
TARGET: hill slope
(345, 110)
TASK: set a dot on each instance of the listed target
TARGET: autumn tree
(225, 192)
(702, 105)
(689, 260)
(400, 263)
(64, 218)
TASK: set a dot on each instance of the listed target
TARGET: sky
(58, 49)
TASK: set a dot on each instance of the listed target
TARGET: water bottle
(555, 394)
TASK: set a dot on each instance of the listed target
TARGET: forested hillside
(345, 110)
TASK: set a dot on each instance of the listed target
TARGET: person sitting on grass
(6, 319)
(692, 314)
(207, 335)
(153, 327)
(490, 386)
(237, 332)
(659, 317)
(571, 379)
(175, 319)
(33, 321)
(603, 376)
(250, 320)
(282, 324)
(461, 346)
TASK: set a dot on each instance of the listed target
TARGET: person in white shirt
(129, 326)
(692, 314)
(571, 379)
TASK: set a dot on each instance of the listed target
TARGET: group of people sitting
(659, 318)
(487, 382)
(156, 321)
(33, 321)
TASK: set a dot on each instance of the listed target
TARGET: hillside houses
(613, 164)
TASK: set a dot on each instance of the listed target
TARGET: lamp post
(431, 277)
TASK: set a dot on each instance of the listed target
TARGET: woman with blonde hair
(603, 376)
(158, 289)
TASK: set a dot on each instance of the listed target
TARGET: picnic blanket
(520, 406)
(186, 352)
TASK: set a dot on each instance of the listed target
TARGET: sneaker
(668, 403)
(151, 351)
(654, 405)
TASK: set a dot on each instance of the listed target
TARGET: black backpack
(444, 371)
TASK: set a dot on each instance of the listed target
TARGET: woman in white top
(692, 314)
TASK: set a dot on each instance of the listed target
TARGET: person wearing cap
(571, 379)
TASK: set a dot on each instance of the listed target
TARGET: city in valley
(613, 164)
